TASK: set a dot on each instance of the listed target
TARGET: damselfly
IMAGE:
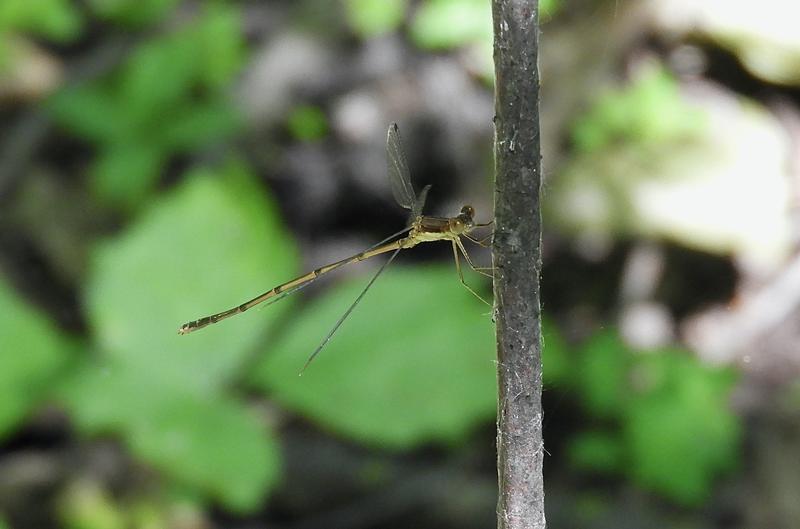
(421, 228)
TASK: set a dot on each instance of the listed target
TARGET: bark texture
(517, 261)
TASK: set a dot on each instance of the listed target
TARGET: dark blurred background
(161, 160)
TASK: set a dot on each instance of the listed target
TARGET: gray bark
(517, 262)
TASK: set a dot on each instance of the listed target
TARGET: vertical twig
(517, 261)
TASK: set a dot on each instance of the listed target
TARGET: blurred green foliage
(88, 506)
(660, 418)
(307, 123)
(447, 24)
(679, 427)
(549, 8)
(58, 20)
(132, 12)
(168, 97)
(649, 111)
(442, 24)
(3, 524)
(33, 355)
(556, 362)
(601, 378)
(401, 372)
(597, 450)
(639, 134)
(370, 18)
(207, 442)
(61, 20)
(212, 241)
(206, 245)
(669, 423)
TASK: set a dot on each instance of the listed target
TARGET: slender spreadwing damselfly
(421, 228)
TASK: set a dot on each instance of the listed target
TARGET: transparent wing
(399, 174)
(350, 309)
(419, 203)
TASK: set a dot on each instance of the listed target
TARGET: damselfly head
(464, 221)
(467, 212)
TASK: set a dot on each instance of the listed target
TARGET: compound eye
(469, 211)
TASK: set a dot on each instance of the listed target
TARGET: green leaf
(220, 44)
(442, 24)
(307, 123)
(602, 375)
(413, 364)
(32, 354)
(125, 173)
(375, 17)
(670, 426)
(158, 75)
(132, 12)
(3, 524)
(202, 439)
(54, 19)
(596, 450)
(209, 245)
(206, 53)
(680, 430)
(166, 98)
(9, 57)
(555, 357)
(649, 112)
(90, 112)
(195, 125)
(549, 8)
(166, 78)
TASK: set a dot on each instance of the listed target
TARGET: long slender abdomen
(186, 328)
